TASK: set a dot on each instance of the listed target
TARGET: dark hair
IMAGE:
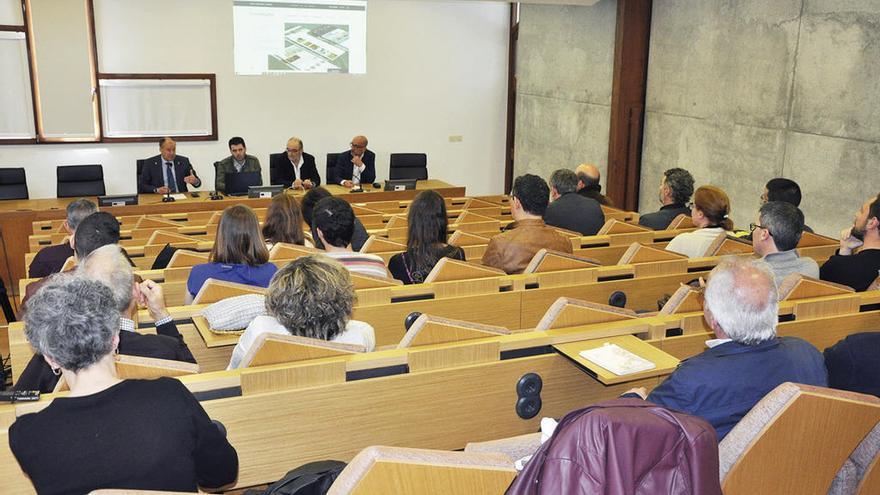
(781, 189)
(311, 198)
(335, 218)
(284, 221)
(96, 230)
(564, 180)
(874, 209)
(237, 140)
(426, 230)
(715, 204)
(681, 183)
(785, 223)
(532, 192)
(238, 238)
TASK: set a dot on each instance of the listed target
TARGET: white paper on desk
(178, 196)
(617, 360)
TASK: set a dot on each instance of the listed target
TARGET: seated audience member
(512, 250)
(50, 259)
(109, 266)
(109, 433)
(857, 270)
(313, 282)
(310, 199)
(746, 359)
(786, 190)
(167, 172)
(239, 161)
(357, 165)
(425, 240)
(284, 222)
(588, 184)
(775, 237)
(239, 254)
(568, 209)
(295, 168)
(96, 230)
(853, 365)
(333, 223)
(710, 211)
(676, 189)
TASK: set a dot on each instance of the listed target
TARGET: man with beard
(860, 269)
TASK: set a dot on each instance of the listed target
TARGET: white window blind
(17, 116)
(156, 107)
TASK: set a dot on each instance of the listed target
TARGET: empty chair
(80, 180)
(330, 170)
(139, 166)
(13, 183)
(409, 166)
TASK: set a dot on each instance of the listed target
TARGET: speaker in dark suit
(157, 172)
(345, 167)
(281, 170)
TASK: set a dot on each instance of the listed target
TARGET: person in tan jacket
(512, 250)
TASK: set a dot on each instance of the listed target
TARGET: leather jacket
(513, 249)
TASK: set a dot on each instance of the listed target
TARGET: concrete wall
(743, 91)
(563, 99)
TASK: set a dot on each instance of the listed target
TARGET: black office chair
(13, 183)
(330, 171)
(273, 172)
(80, 180)
(139, 164)
(409, 166)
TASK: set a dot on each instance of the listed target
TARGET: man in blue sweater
(746, 359)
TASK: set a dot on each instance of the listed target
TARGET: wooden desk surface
(17, 216)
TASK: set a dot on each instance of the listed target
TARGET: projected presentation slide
(294, 36)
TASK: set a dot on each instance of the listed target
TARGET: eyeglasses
(358, 145)
(753, 226)
(690, 206)
(293, 150)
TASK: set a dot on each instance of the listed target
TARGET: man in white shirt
(294, 168)
(357, 165)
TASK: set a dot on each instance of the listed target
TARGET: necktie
(169, 178)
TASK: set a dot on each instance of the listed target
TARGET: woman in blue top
(239, 254)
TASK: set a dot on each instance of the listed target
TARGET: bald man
(588, 184)
(356, 165)
(294, 168)
(746, 359)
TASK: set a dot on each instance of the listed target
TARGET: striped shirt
(367, 264)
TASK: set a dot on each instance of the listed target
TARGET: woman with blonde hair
(239, 253)
(710, 211)
(313, 297)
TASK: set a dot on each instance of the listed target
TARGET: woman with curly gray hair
(135, 434)
(313, 297)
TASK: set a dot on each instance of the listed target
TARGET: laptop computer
(237, 183)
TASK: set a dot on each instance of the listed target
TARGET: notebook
(617, 360)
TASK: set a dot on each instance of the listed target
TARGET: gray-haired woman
(108, 432)
(311, 296)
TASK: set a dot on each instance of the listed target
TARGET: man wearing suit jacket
(239, 161)
(294, 169)
(356, 166)
(167, 171)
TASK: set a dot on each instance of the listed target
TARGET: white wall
(434, 69)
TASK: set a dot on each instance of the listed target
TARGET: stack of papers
(617, 360)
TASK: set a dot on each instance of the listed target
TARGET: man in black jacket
(569, 210)
(294, 168)
(109, 266)
(676, 189)
(167, 172)
(357, 165)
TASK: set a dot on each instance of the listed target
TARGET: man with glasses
(295, 168)
(775, 237)
(357, 165)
